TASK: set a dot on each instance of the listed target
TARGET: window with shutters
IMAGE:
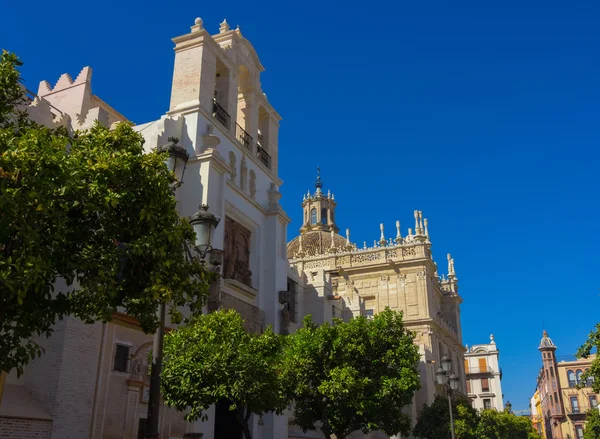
(466, 366)
(468, 386)
(485, 385)
(482, 365)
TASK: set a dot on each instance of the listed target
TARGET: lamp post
(446, 378)
(203, 223)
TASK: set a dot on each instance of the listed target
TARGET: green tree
(214, 359)
(501, 425)
(593, 374)
(434, 420)
(89, 208)
(352, 376)
(592, 425)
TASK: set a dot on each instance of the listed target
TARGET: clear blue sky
(485, 117)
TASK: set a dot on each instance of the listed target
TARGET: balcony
(221, 115)
(264, 156)
(243, 137)
(479, 371)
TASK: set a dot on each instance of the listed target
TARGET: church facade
(337, 278)
(93, 382)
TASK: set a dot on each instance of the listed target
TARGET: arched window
(544, 355)
(323, 216)
(590, 380)
(313, 216)
(555, 397)
(546, 373)
(578, 375)
(551, 371)
(571, 377)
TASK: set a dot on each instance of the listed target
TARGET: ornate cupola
(319, 209)
(319, 233)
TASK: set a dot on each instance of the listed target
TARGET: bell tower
(552, 405)
(319, 209)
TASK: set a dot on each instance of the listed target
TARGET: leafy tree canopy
(434, 420)
(592, 425)
(500, 425)
(214, 359)
(355, 375)
(89, 208)
(593, 374)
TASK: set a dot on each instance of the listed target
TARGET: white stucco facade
(484, 375)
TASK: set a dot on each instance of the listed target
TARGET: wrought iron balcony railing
(243, 136)
(221, 115)
(264, 156)
(479, 370)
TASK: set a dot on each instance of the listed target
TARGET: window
(323, 216)
(369, 314)
(487, 403)
(578, 375)
(551, 371)
(292, 288)
(593, 401)
(546, 373)
(574, 405)
(485, 385)
(579, 432)
(555, 397)
(122, 358)
(482, 365)
(313, 216)
(590, 380)
(571, 377)
(468, 386)
(466, 366)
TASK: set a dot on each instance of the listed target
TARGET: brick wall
(15, 428)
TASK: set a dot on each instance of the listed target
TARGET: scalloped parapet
(65, 81)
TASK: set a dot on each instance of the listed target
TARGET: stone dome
(314, 243)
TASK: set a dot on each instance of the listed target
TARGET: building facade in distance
(563, 406)
(484, 376)
(337, 278)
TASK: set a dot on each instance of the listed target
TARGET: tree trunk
(244, 424)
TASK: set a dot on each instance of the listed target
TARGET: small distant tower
(319, 209)
(552, 406)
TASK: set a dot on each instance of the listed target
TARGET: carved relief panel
(236, 263)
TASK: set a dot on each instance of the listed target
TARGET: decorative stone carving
(243, 174)
(237, 252)
(232, 166)
(252, 183)
(285, 319)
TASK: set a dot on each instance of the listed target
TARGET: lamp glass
(453, 382)
(446, 363)
(171, 162)
(439, 375)
(203, 232)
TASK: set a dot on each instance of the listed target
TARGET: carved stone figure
(285, 319)
(232, 166)
(252, 183)
(237, 252)
(243, 174)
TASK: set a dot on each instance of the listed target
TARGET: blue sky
(485, 117)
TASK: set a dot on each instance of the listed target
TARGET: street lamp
(446, 378)
(176, 160)
(203, 224)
